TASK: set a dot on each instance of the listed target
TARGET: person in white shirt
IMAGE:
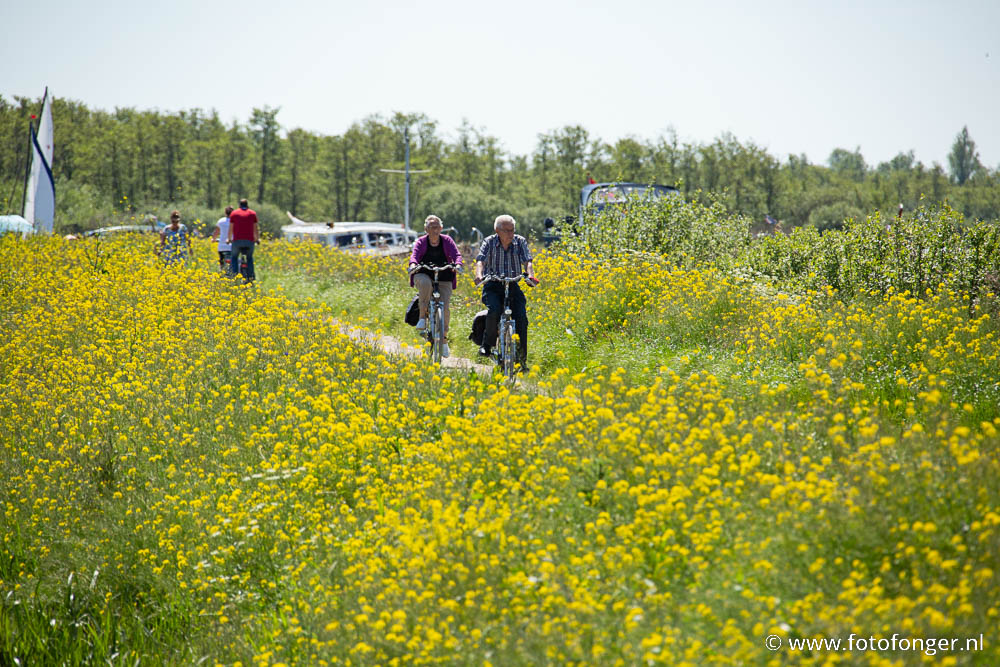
(221, 234)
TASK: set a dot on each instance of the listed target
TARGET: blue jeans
(241, 247)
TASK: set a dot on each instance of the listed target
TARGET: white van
(368, 238)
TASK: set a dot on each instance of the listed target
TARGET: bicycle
(244, 270)
(434, 333)
(225, 259)
(505, 350)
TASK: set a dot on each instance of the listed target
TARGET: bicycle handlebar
(444, 267)
(498, 279)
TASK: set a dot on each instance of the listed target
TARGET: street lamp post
(407, 171)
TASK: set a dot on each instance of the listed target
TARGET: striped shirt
(503, 263)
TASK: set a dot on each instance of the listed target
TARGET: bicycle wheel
(509, 351)
(436, 330)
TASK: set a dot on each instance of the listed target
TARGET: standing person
(175, 240)
(503, 254)
(221, 234)
(244, 234)
(434, 249)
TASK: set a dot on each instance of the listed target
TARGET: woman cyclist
(434, 249)
(175, 241)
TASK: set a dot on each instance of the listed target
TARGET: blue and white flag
(40, 194)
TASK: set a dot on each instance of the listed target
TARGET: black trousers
(493, 299)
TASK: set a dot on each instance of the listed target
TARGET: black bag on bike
(413, 312)
(479, 327)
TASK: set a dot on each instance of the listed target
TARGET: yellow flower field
(194, 470)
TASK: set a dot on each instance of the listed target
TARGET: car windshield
(613, 194)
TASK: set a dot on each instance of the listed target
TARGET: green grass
(381, 305)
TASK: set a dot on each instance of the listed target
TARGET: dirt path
(392, 345)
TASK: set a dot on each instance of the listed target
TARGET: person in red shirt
(244, 234)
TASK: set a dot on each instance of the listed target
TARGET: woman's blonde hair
(432, 219)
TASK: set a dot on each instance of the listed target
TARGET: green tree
(334, 169)
(425, 153)
(173, 135)
(664, 157)
(902, 162)
(629, 160)
(349, 166)
(461, 162)
(846, 163)
(239, 165)
(963, 159)
(264, 130)
(463, 207)
(563, 158)
(14, 119)
(303, 149)
(206, 163)
(73, 131)
(190, 159)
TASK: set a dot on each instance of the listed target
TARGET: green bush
(685, 232)
(79, 208)
(834, 216)
(271, 218)
(930, 249)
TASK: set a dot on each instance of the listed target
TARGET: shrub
(933, 248)
(685, 232)
(78, 208)
(834, 216)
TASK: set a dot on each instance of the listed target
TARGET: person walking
(221, 234)
(244, 234)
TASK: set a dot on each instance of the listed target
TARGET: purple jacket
(450, 252)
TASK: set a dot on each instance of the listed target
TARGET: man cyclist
(505, 255)
(243, 235)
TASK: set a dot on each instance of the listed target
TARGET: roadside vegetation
(121, 166)
(720, 443)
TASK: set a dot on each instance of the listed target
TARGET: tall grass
(201, 472)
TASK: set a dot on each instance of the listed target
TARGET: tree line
(112, 166)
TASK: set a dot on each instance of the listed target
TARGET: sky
(801, 77)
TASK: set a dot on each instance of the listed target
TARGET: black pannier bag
(479, 327)
(413, 312)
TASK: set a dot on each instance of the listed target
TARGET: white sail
(40, 194)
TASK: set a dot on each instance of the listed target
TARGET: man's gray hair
(504, 218)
